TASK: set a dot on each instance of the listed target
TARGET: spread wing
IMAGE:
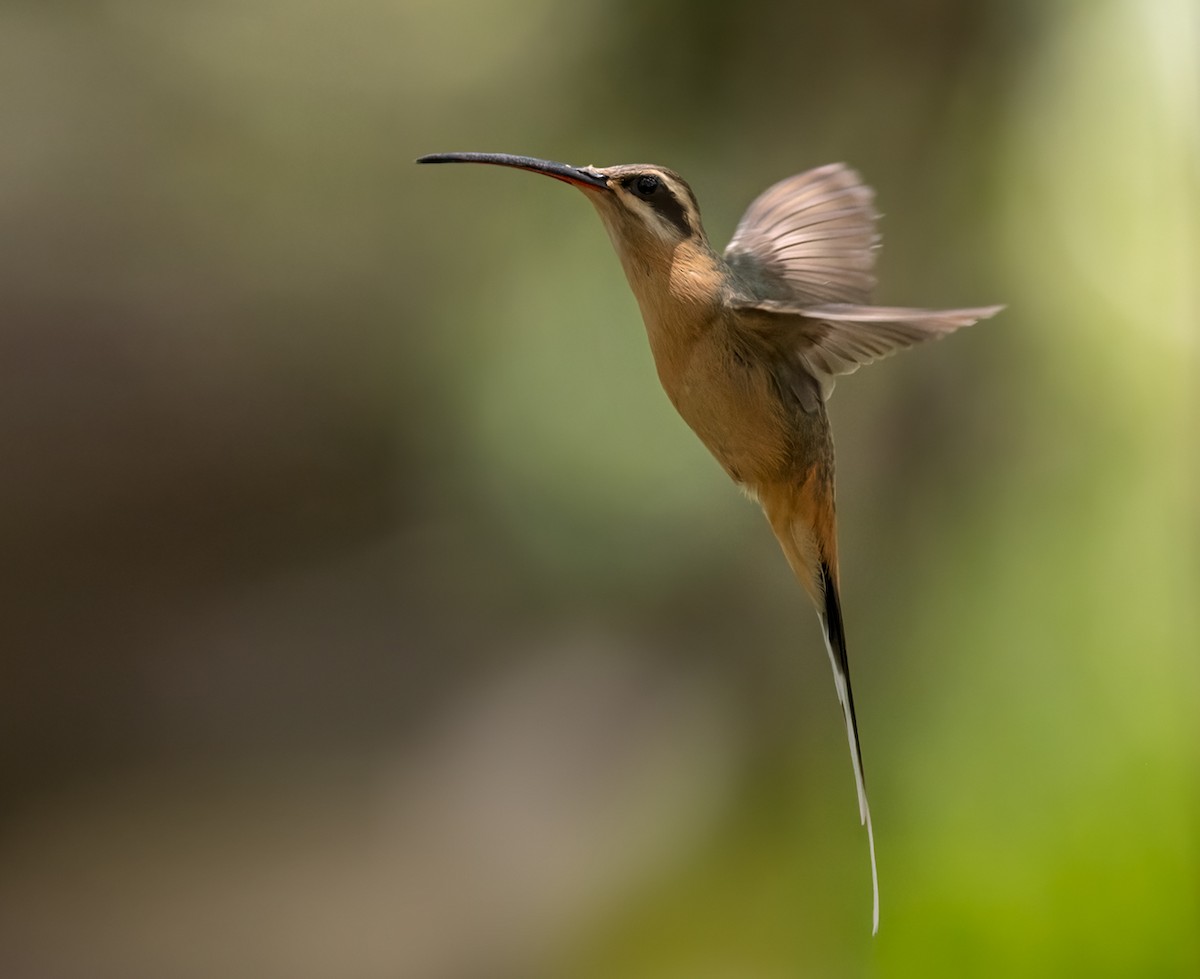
(802, 256)
(824, 341)
(839, 338)
(809, 238)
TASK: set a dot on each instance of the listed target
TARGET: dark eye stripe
(665, 203)
(669, 207)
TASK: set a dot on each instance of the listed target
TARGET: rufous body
(747, 345)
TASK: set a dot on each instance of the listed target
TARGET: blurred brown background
(366, 610)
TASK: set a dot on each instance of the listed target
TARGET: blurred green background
(367, 611)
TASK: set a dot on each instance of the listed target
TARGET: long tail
(830, 613)
(805, 524)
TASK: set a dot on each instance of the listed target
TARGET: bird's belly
(732, 408)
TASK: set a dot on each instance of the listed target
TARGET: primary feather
(809, 238)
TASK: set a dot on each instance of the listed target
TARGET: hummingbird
(747, 345)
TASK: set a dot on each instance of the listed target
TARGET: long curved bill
(559, 171)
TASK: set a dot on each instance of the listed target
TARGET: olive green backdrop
(366, 611)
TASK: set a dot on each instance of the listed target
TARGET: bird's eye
(646, 185)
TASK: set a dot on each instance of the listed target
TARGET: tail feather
(804, 523)
(830, 612)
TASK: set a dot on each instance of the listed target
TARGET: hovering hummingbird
(747, 345)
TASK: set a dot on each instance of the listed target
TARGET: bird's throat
(678, 290)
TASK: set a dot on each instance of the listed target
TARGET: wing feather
(809, 238)
(838, 338)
